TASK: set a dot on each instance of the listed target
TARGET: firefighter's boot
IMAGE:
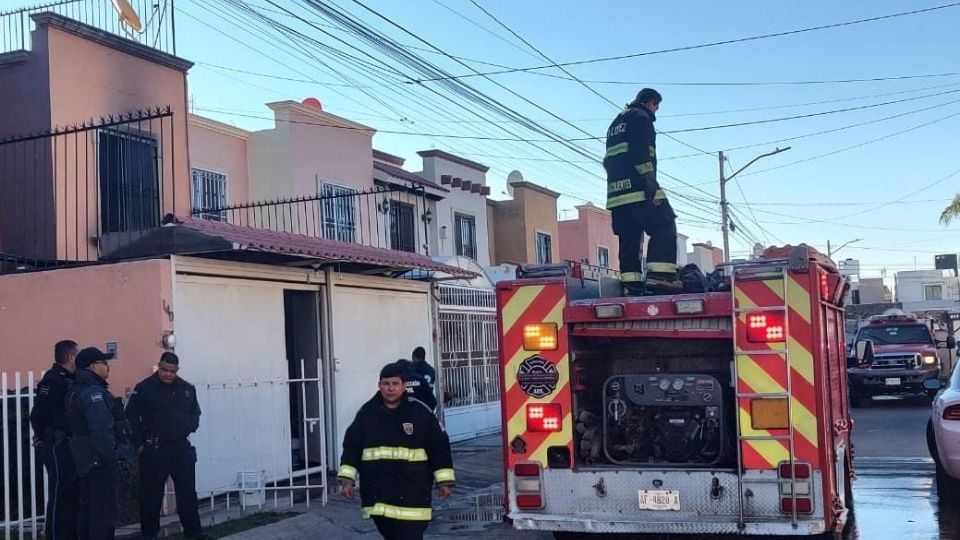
(633, 288)
(662, 283)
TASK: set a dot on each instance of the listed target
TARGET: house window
(129, 181)
(603, 257)
(933, 292)
(544, 244)
(402, 230)
(339, 213)
(465, 229)
(209, 194)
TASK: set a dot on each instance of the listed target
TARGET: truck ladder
(772, 267)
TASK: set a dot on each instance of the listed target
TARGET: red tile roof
(397, 172)
(265, 240)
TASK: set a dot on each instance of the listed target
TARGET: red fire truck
(705, 413)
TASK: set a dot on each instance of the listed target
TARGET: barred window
(209, 195)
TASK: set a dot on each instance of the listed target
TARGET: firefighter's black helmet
(645, 96)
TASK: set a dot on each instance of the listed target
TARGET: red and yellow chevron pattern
(529, 304)
(767, 373)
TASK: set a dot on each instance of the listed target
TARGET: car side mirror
(864, 349)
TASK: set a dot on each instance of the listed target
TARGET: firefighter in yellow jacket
(398, 449)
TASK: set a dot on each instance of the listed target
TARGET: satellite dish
(129, 20)
(514, 176)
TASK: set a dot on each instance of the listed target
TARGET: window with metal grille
(544, 248)
(933, 292)
(465, 230)
(339, 212)
(603, 257)
(209, 194)
(128, 172)
(402, 230)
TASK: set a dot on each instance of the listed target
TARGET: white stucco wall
(459, 201)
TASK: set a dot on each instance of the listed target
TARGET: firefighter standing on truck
(399, 450)
(637, 203)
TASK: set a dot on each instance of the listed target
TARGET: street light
(831, 251)
(725, 219)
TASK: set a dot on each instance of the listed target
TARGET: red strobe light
(766, 327)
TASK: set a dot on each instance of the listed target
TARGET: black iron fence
(391, 216)
(156, 29)
(68, 194)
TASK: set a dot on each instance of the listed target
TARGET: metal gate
(241, 461)
(470, 374)
(261, 440)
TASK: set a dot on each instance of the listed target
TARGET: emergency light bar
(766, 327)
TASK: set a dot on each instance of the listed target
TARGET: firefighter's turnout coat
(398, 454)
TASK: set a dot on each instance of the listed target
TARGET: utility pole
(724, 213)
(831, 251)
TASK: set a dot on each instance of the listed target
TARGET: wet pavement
(894, 494)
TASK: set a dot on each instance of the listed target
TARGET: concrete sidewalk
(471, 510)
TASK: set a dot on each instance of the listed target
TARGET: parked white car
(943, 438)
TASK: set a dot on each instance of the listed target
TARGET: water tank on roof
(313, 103)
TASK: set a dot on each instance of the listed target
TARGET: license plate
(892, 381)
(659, 500)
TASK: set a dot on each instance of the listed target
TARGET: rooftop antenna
(514, 176)
(129, 20)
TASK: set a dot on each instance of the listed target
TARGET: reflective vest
(397, 455)
(631, 153)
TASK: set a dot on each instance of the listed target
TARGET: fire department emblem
(408, 428)
(537, 377)
(653, 310)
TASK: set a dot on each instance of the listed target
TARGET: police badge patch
(408, 428)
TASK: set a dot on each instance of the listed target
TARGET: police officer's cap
(91, 355)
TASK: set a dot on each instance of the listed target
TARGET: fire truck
(721, 412)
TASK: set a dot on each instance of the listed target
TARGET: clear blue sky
(784, 200)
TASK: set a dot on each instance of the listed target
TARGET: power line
(852, 147)
(765, 83)
(709, 44)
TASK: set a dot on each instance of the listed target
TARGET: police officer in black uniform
(421, 366)
(163, 411)
(96, 443)
(398, 449)
(52, 435)
(637, 203)
(417, 385)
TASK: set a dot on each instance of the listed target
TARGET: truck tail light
(544, 417)
(804, 505)
(800, 470)
(527, 485)
(540, 337)
(952, 413)
(766, 327)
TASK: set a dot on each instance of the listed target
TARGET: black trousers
(170, 460)
(98, 503)
(62, 511)
(630, 222)
(398, 529)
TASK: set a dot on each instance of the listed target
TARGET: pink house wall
(89, 80)
(75, 74)
(222, 149)
(580, 238)
(124, 302)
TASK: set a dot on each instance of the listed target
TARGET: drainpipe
(329, 371)
(435, 350)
